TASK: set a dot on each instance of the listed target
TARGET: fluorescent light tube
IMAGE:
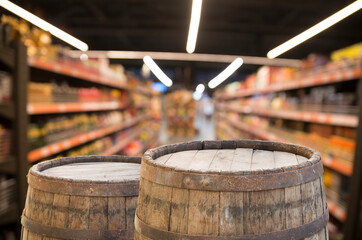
(44, 25)
(226, 73)
(155, 69)
(200, 88)
(194, 25)
(196, 95)
(326, 23)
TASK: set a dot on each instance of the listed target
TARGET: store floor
(205, 126)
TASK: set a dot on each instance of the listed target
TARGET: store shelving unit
(19, 111)
(318, 78)
(49, 108)
(16, 166)
(74, 71)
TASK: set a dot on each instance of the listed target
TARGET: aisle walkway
(204, 125)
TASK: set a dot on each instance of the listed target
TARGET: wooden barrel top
(229, 160)
(240, 165)
(96, 171)
(88, 176)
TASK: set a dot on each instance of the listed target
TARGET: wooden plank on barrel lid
(79, 212)
(98, 213)
(163, 159)
(159, 208)
(284, 159)
(231, 213)
(222, 161)
(202, 160)
(204, 206)
(182, 159)
(116, 213)
(61, 211)
(301, 159)
(262, 160)
(242, 159)
(293, 201)
(131, 205)
(179, 210)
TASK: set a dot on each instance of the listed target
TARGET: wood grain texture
(181, 160)
(242, 159)
(116, 213)
(231, 213)
(131, 204)
(202, 160)
(159, 208)
(204, 207)
(179, 210)
(222, 161)
(262, 160)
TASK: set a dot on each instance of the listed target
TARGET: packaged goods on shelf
(5, 142)
(7, 193)
(63, 93)
(351, 52)
(5, 87)
(180, 113)
(55, 129)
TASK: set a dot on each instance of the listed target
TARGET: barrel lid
(88, 176)
(90, 168)
(242, 156)
(241, 165)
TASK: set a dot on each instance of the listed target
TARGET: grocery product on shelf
(7, 193)
(5, 87)
(5, 142)
(63, 93)
(180, 113)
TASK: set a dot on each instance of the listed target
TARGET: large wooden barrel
(231, 190)
(87, 197)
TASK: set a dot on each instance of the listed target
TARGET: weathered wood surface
(76, 212)
(228, 213)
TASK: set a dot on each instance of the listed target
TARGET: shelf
(34, 109)
(229, 132)
(122, 144)
(339, 75)
(61, 146)
(7, 56)
(8, 165)
(337, 211)
(315, 117)
(7, 110)
(329, 162)
(142, 105)
(76, 72)
(11, 216)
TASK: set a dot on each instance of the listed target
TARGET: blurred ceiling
(237, 27)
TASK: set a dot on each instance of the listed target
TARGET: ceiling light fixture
(194, 25)
(155, 69)
(200, 88)
(326, 23)
(44, 25)
(226, 73)
(196, 57)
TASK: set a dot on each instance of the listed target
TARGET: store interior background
(151, 118)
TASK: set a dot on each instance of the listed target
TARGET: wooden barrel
(87, 197)
(231, 190)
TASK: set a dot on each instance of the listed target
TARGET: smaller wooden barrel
(231, 190)
(86, 197)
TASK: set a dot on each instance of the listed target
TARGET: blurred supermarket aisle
(203, 123)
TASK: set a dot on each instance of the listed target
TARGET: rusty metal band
(300, 232)
(230, 182)
(126, 189)
(65, 233)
